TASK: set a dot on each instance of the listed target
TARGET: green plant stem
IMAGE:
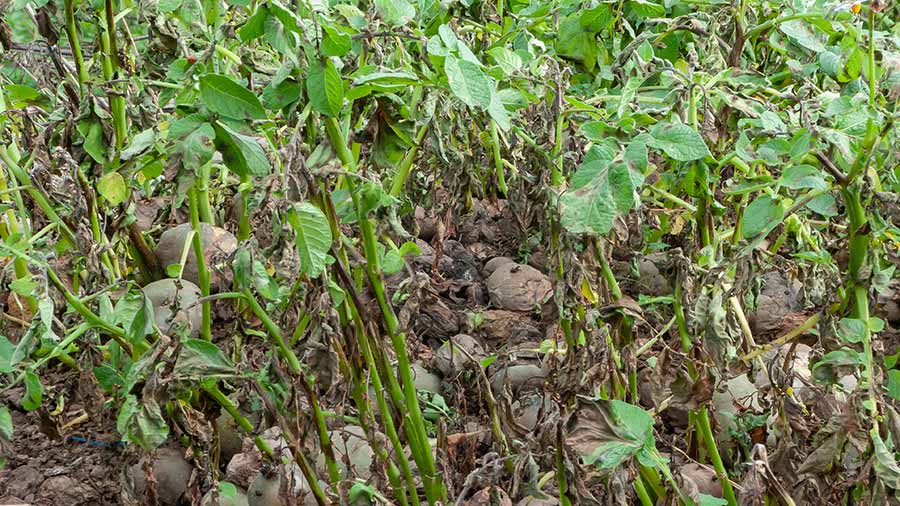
(9, 228)
(334, 474)
(274, 332)
(810, 322)
(858, 290)
(498, 160)
(758, 29)
(75, 43)
(641, 492)
(702, 419)
(42, 202)
(434, 486)
(403, 169)
(110, 49)
(117, 333)
(873, 73)
(358, 393)
(562, 485)
(109, 261)
(202, 185)
(556, 174)
(211, 388)
(244, 220)
(611, 283)
(677, 304)
(202, 269)
(381, 401)
(296, 369)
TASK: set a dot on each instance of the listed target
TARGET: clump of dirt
(55, 470)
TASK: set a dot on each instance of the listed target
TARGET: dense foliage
(702, 198)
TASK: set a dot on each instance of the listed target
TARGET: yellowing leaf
(113, 188)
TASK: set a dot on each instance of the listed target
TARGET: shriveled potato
(172, 300)
(218, 245)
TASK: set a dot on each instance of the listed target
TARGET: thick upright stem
(202, 270)
(111, 67)
(498, 161)
(75, 44)
(406, 164)
(434, 486)
(702, 419)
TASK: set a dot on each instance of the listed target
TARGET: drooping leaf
(575, 42)
(141, 423)
(886, 467)
(111, 186)
(762, 214)
(797, 177)
(468, 82)
(255, 26)
(325, 88)
(823, 204)
(6, 426)
(94, 143)
(600, 191)
(139, 144)
(34, 392)
(646, 8)
(711, 500)
(198, 147)
(142, 323)
(336, 41)
(395, 12)
(679, 141)
(108, 378)
(893, 386)
(7, 352)
(828, 369)
(264, 283)
(313, 237)
(242, 154)
(281, 95)
(852, 330)
(508, 60)
(803, 34)
(607, 433)
(24, 286)
(230, 99)
(202, 359)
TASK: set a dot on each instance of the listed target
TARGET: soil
(53, 465)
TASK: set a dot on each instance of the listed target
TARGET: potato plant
(354, 243)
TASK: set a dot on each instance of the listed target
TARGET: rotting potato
(517, 287)
(172, 473)
(168, 294)
(527, 409)
(265, 490)
(350, 445)
(230, 437)
(218, 245)
(491, 265)
(453, 356)
(701, 477)
(425, 379)
(521, 377)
